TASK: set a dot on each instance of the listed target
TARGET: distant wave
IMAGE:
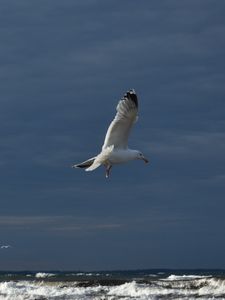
(186, 277)
(44, 275)
(86, 274)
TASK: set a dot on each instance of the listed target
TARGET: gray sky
(63, 67)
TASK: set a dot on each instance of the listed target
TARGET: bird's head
(139, 155)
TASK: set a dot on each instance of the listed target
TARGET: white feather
(119, 129)
(101, 158)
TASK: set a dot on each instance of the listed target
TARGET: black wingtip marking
(80, 166)
(132, 96)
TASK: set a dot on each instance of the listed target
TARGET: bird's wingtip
(131, 94)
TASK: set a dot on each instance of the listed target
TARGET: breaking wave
(41, 290)
(146, 286)
(186, 277)
(43, 275)
(192, 289)
(201, 287)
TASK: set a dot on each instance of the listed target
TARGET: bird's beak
(145, 160)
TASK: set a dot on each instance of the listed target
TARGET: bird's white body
(115, 149)
(119, 156)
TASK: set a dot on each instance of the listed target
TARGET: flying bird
(6, 246)
(115, 148)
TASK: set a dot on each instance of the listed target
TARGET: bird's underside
(101, 159)
(88, 163)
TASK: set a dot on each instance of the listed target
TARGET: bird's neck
(132, 153)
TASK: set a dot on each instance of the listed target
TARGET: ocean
(116, 285)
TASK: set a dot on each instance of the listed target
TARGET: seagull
(6, 246)
(115, 148)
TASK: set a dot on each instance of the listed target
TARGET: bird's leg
(108, 168)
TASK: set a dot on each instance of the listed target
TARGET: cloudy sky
(63, 67)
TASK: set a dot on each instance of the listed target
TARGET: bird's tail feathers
(85, 164)
(94, 166)
(101, 158)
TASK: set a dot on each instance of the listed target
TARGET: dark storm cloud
(63, 67)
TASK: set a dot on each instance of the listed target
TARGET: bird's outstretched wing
(118, 131)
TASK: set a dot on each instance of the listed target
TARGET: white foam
(185, 277)
(204, 288)
(44, 275)
(179, 289)
(133, 290)
(215, 285)
(39, 290)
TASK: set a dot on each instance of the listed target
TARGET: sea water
(124, 285)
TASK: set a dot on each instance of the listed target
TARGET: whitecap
(44, 275)
(185, 277)
(136, 290)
